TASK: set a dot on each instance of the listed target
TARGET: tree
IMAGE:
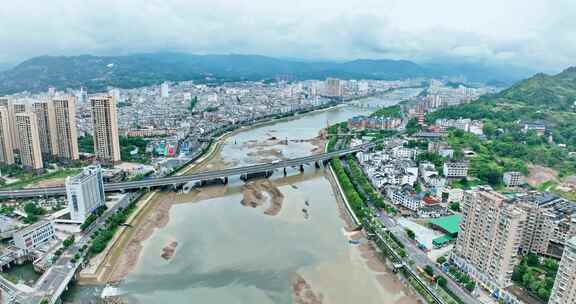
(454, 206)
(519, 272)
(441, 281)
(410, 234)
(441, 260)
(402, 253)
(68, 242)
(412, 126)
(417, 188)
(429, 270)
(470, 286)
(532, 260)
(193, 102)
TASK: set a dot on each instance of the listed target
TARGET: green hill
(542, 99)
(556, 92)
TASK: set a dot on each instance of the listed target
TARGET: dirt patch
(302, 292)
(157, 218)
(319, 143)
(169, 250)
(570, 181)
(267, 153)
(216, 163)
(252, 195)
(258, 193)
(113, 300)
(56, 182)
(539, 174)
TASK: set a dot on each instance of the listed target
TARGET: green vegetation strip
(101, 237)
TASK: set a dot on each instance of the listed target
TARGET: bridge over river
(184, 179)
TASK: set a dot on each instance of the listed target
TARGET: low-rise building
(34, 235)
(512, 179)
(403, 152)
(455, 169)
(404, 198)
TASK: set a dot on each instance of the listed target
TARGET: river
(229, 252)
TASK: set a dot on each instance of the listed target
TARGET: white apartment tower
(490, 237)
(165, 90)
(85, 193)
(104, 120)
(30, 152)
(65, 124)
(6, 149)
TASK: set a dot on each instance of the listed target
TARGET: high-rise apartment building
(65, 123)
(16, 107)
(47, 132)
(490, 237)
(104, 120)
(6, 149)
(85, 193)
(30, 152)
(564, 290)
(550, 223)
(165, 90)
(333, 87)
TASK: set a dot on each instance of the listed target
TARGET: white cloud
(540, 33)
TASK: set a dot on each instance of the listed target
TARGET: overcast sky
(536, 33)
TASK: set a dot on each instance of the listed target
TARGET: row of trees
(354, 199)
(93, 216)
(104, 235)
(366, 187)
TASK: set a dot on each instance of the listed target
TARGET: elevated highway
(180, 180)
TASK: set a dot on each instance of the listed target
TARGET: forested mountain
(97, 72)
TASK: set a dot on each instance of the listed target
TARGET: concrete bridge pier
(249, 176)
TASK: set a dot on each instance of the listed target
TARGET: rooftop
(450, 224)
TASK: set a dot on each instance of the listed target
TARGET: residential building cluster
(496, 230)
(465, 124)
(37, 130)
(42, 128)
(359, 123)
(395, 172)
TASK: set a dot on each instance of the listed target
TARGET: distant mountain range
(97, 73)
(552, 91)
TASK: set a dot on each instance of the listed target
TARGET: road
(55, 280)
(179, 180)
